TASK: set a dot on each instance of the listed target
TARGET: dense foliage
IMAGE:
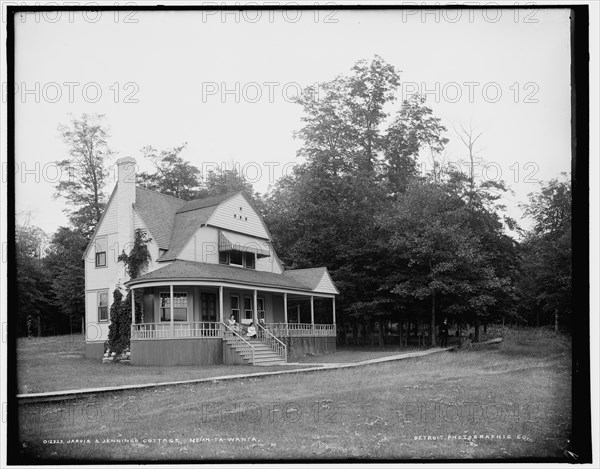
(406, 250)
(136, 261)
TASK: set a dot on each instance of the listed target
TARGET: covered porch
(184, 310)
(186, 323)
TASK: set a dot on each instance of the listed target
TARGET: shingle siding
(223, 217)
(109, 224)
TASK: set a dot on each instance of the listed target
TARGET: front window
(235, 307)
(103, 305)
(180, 306)
(248, 308)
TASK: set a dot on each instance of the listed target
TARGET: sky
(225, 82)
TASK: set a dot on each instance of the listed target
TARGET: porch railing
(273, 342)
(301, 330)
(233, 338)
(163, 330)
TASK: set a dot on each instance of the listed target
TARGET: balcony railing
(179, 330)
(301, 330)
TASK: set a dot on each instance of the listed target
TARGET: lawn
(355, 354)
(510, 400)
(58, 363)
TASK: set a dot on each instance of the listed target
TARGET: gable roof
(157, 211)
(93, 237)
(190, 270)
(186, 224)
(207, 202)
(188, 218)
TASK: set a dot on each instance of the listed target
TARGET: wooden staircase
(253, 351)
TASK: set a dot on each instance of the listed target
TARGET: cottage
(211, 258)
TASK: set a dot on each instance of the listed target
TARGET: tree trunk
(433, 319)
(354, 333)
(476, 339)
(39, 328)
(485, 328)
(537, 318)
(372, 333)
(556, 321)
(401, 332)
(382, 328)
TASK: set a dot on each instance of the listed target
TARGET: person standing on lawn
(444, 333)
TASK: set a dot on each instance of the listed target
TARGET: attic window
(246, 218)
(161, 252)
(234, 215)
(101, 245)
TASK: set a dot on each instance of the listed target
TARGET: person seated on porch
(251, 331)
(231, 322)
(262, 323)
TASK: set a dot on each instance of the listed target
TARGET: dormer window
(238, 258)
(240, 250)
(249, 260)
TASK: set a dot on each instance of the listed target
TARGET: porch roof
(189, 270)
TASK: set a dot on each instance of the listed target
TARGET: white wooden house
(211, 258)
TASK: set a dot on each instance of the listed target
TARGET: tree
(221, 181)
(469, 136)
(413, 128)
(34, 293)
(325, 212)
(343, 118)
(173, 175)
(372, 86)
(547, 253)
(87, 139)
(67, 272)
(441, 254)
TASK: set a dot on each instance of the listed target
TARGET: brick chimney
(127, 169)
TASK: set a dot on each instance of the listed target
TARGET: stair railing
(237, 339)
(273, 342)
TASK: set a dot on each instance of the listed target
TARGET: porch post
(298, 312)
(220, 304)
(172, 324)
(334, 310)
(132, 306)
(255, 312)
(312, 311)
(285, 308)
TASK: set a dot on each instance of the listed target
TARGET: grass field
(510, 400)
(58, 363)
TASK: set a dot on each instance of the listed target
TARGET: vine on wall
(119, 330)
